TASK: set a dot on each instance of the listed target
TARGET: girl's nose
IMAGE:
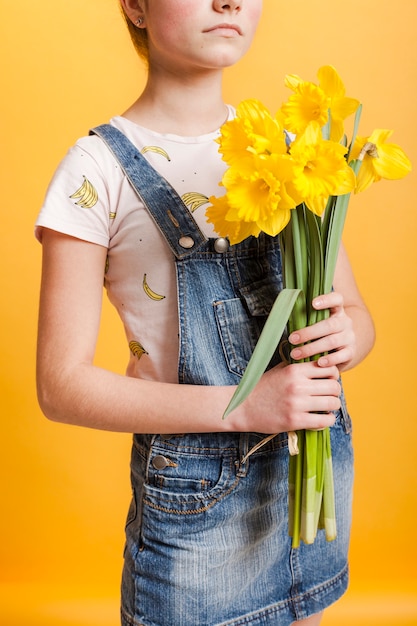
(232, 5)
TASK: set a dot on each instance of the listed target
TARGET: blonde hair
(138, 36)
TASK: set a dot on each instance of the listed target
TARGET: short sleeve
(78, 201)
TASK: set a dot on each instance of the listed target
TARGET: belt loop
(256, 447)
(241, 463)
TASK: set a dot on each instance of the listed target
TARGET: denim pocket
(238, 332)
(189, 483)
(240, 322)
(260, 296)
(181, 485)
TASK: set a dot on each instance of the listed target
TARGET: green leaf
(334, 234)
(300, 247)
(316, 264)
(266, 346)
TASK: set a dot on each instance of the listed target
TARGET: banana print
(87, 195)
(137, 349)
(194, 200)
(157, 150)
(149, 292)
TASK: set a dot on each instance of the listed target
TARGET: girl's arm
(72, 389)
(348, 334)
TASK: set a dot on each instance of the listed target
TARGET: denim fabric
(207, 537)
(224, 300)
(207, 534)
(161, 199)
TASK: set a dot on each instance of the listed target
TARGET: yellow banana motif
(137, 349)
(149, 292)
(194, 200)
(87, 195)
(157, 150)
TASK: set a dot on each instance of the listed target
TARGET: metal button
(159, 462)
(221, 244)
(186, 242)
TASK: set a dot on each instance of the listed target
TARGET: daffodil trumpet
(292, 175)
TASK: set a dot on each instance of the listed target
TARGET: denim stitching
(208, 506)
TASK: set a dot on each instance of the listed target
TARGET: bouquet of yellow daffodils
(292, 174)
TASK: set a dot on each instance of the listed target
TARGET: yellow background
(64, 491)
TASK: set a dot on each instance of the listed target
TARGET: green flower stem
(316, 273)
(309, 485)
(295, 491)
(320, 476)
(299, 240)
(333, 233)
(329, 511)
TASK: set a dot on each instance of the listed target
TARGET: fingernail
(296, 354)
(294, 338)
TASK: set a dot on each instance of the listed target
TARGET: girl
(206, 535)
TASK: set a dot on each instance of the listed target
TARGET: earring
(139, 21)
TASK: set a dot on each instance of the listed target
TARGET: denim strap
(164, 204)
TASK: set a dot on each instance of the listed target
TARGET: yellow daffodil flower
(340, 105)
(259, 197)
(237, 230)
(323, 172)
(309, 100)
(253, 132)
(308, 103)
(388, 161)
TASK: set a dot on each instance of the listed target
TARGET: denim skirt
(207, 536)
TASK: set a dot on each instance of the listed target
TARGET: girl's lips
(232, 28)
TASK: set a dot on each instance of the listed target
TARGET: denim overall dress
(207, 535)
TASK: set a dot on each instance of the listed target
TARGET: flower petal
(330, 81)
(275, 223)
(292, 81)
(336, 129)
(391, 163)
(317, 205)
(366, 176)
(236, 231)
(343, 107)
(307, 104)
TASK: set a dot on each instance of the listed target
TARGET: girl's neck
(187, 106)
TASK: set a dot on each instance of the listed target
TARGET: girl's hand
(292, 397)
(334, 337)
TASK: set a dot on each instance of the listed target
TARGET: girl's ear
(134, 9)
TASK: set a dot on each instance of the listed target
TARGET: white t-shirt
(90, 198)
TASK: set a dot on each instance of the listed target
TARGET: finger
(326, 388)
(330, 326)
(328, 301)
(336, 358)
(311, 371)
(314, 420)
(320, 421)
(330, 373)
(321, 346)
